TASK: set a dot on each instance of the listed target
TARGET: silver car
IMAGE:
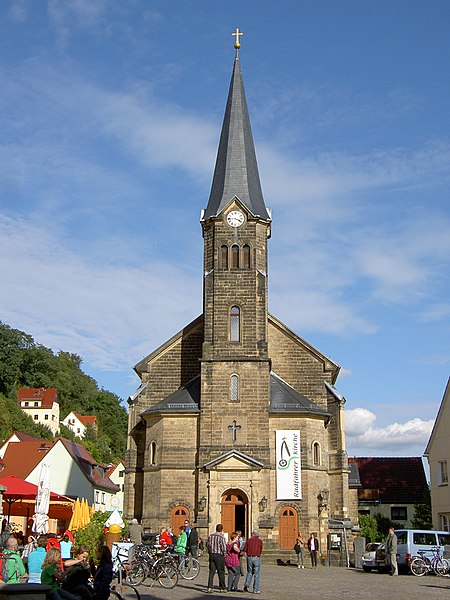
(368, 561)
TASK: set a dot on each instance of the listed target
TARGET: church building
(237, 420)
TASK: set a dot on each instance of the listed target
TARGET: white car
(368, 561)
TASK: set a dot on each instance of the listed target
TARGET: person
(77, 574)
(15, 567)
(242, 560)
(51, 575)
(217, 548)
(166, 537)
(253, 548)
(391, 550)
(187, 527)
(135, 532)
(103, 574)
(181, 544)
(66, 547)
(313, 548)
(299, 549)
(28, 548)
(192, 547)
(35, 560)
(232, 562)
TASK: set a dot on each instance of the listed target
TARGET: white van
(410, 541)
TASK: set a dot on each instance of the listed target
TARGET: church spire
(236, 170)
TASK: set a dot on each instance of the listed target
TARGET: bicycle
(187, 566)
(150, 564)
(423, 564)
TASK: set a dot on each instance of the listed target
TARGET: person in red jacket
(253, 548)
(166, 538)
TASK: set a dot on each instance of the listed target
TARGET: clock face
(235, 218)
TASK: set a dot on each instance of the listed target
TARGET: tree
(369, 528)
(422, 518)
(384, 524)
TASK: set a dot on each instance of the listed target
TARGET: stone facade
(202, 426)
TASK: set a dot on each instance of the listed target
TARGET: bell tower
(236, 227)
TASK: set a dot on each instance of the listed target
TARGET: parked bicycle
(423, 564)
(151, 564)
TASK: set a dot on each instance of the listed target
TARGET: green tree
(369, 528)
(384, 524)
(422, 518)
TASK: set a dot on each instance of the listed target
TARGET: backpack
(4, 575)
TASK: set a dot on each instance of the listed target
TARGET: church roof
(236, 170)
(184, 401)
(284, 398)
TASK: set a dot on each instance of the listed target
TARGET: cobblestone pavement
(323, 583)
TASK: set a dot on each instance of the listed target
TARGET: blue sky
(110, 115)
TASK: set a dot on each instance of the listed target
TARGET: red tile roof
(46, 395)
(394, 480)
(86, 419)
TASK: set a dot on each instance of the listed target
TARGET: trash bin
(111, 537)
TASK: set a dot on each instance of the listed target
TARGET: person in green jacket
(181, 541)
(16, 568)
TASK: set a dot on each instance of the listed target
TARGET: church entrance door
(287, 528)
(234, 507)
(178, 516)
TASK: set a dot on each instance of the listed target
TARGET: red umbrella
(21, 491)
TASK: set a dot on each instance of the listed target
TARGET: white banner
(288, 467)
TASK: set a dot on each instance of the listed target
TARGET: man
(187, 527)
(253, 548)
(15, 567)
(193, 541)
(391, 550)
(135, 531)
(66, 547)
(217, 548)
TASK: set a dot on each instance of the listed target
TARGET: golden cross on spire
(237, 33)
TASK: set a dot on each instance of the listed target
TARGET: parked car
(368, 561)
(409, 542)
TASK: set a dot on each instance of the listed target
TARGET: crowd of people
(71, 573)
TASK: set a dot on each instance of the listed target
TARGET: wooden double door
(234, 512)
(287, 527)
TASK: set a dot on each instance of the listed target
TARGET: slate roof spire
(236, 170)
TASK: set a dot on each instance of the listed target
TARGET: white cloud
(364, 438)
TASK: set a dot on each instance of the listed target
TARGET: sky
(110, 116)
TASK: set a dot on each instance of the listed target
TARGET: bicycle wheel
(442, 567)
(189, 567)
(125, 591)
(419, 567)
(167, 575)
(136, 574)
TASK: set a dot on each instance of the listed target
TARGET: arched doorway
(287, 527)
(234, 505)
(177, 518)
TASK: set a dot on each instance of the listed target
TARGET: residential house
(73, 471)
(17, 436)
(42, 405)
(438, 454)
(390, 486)
(79, 423)
(117, 475)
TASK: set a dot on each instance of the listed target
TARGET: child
(51, 575)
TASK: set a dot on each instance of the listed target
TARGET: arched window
(223, 257)
(234, 388)
(235, 324)
(153, 453)
(316, 453)
(235, 256)
(246, 256)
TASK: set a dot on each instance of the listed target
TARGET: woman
(232, 562)
(313, 547)
(51, 576)
(35, 560)
(103, 574)
(181, 541)
(28, 548)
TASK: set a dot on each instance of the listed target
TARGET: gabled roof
(236, 171)
(437, 423)
(396, 480)
(185, 400)
(245, 459)
(86, 419)
(285, 399)
(47, 396)
(21, 458)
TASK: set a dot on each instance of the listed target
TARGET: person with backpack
(13, 568)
